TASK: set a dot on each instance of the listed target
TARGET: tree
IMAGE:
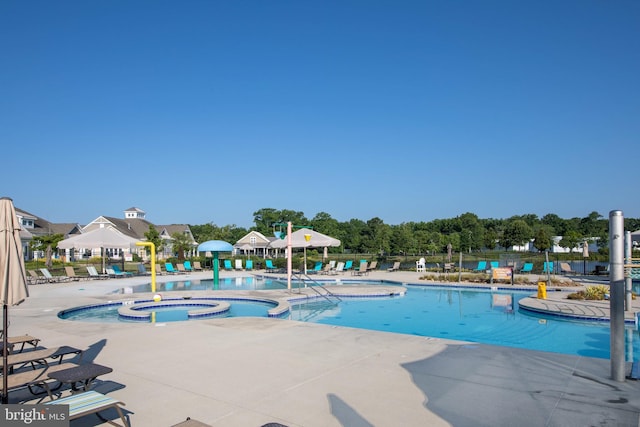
(516, 233)
(46, 244)
(542, 240)
(570, 240)
(154, 237)
(181, 243)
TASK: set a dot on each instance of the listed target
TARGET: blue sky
(207, 111)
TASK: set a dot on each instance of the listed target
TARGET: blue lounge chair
(527, 267)
(482, 266)
(169, 268)
(227, 265)
(248, 265)
(548, 267)
(187, 266)
(317, 268)
(494, 264)
(142, 270)
(270, 267)
(120, 272)
(348, 265)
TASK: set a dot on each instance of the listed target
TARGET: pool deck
(252, 371)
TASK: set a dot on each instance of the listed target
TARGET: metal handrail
(301, 276)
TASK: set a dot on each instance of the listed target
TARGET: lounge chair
(270, 267)
(90, 402)
(19, 340)
(527, 268)
(120, 272)
(348, 265)
(169, 268)
(187, 266)
(565, 268)
(339, 267)
(494, 264)
(159, 271)
(394, 267)
(421, 265)
(239, 264)
(51, 278)
(249, 264)
(93, 273)
(227, 265)
(362, 269)
(112, 273)
(317, 268)
(34, 379)
(373, 266)
(547, 267)
(197, 266)
(327, 269)
(71, 274)
(34, 278)
(482, 267)
(142, 270)
(601, 270)
(181, 269)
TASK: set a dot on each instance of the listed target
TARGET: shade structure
(215, 246)
(12, 271)
(104, 237)
(298, 240)
(306, 238)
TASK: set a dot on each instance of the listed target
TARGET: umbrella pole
(5, 351)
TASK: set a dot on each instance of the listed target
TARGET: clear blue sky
(207, 111)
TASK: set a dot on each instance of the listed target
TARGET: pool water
(224, 284)
(477, 315)
(469, 315)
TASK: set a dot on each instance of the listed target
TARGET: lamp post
(153, 263)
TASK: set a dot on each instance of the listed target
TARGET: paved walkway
(251, 371)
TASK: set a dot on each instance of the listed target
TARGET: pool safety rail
(303, 278)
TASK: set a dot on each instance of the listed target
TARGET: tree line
(466, 233)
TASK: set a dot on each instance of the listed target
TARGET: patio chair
(197, 266)
(93, 273)
(348, 265)
(227, 265)
(51, 278)
(34, 278)
(19, 340)
(361, 270)
(270, 267)
(421, 265)
(565, 268)
(180, 268)
(142, 270)
(494, 264)
(317, 268)
(91, 402)
(169, 268)
(113, 274)
(71, 274)
(482, 267)
(239, 264)
(547, 267)
(527, 267)
(249, 264)
(116, 268)
(394, 267)
(159, 271)
(373, 266)
(327, 269)
(187, 266)
(339, 267)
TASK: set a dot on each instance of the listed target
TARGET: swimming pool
(467, 314)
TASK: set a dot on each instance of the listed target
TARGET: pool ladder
(303, 277)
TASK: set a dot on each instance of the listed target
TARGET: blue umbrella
(215, 246)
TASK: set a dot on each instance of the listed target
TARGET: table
(80, 377)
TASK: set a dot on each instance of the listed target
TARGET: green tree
(542, 239)
(516, 233)
(571, 240)
(181, 243)
(46, 244)
(154, 237)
